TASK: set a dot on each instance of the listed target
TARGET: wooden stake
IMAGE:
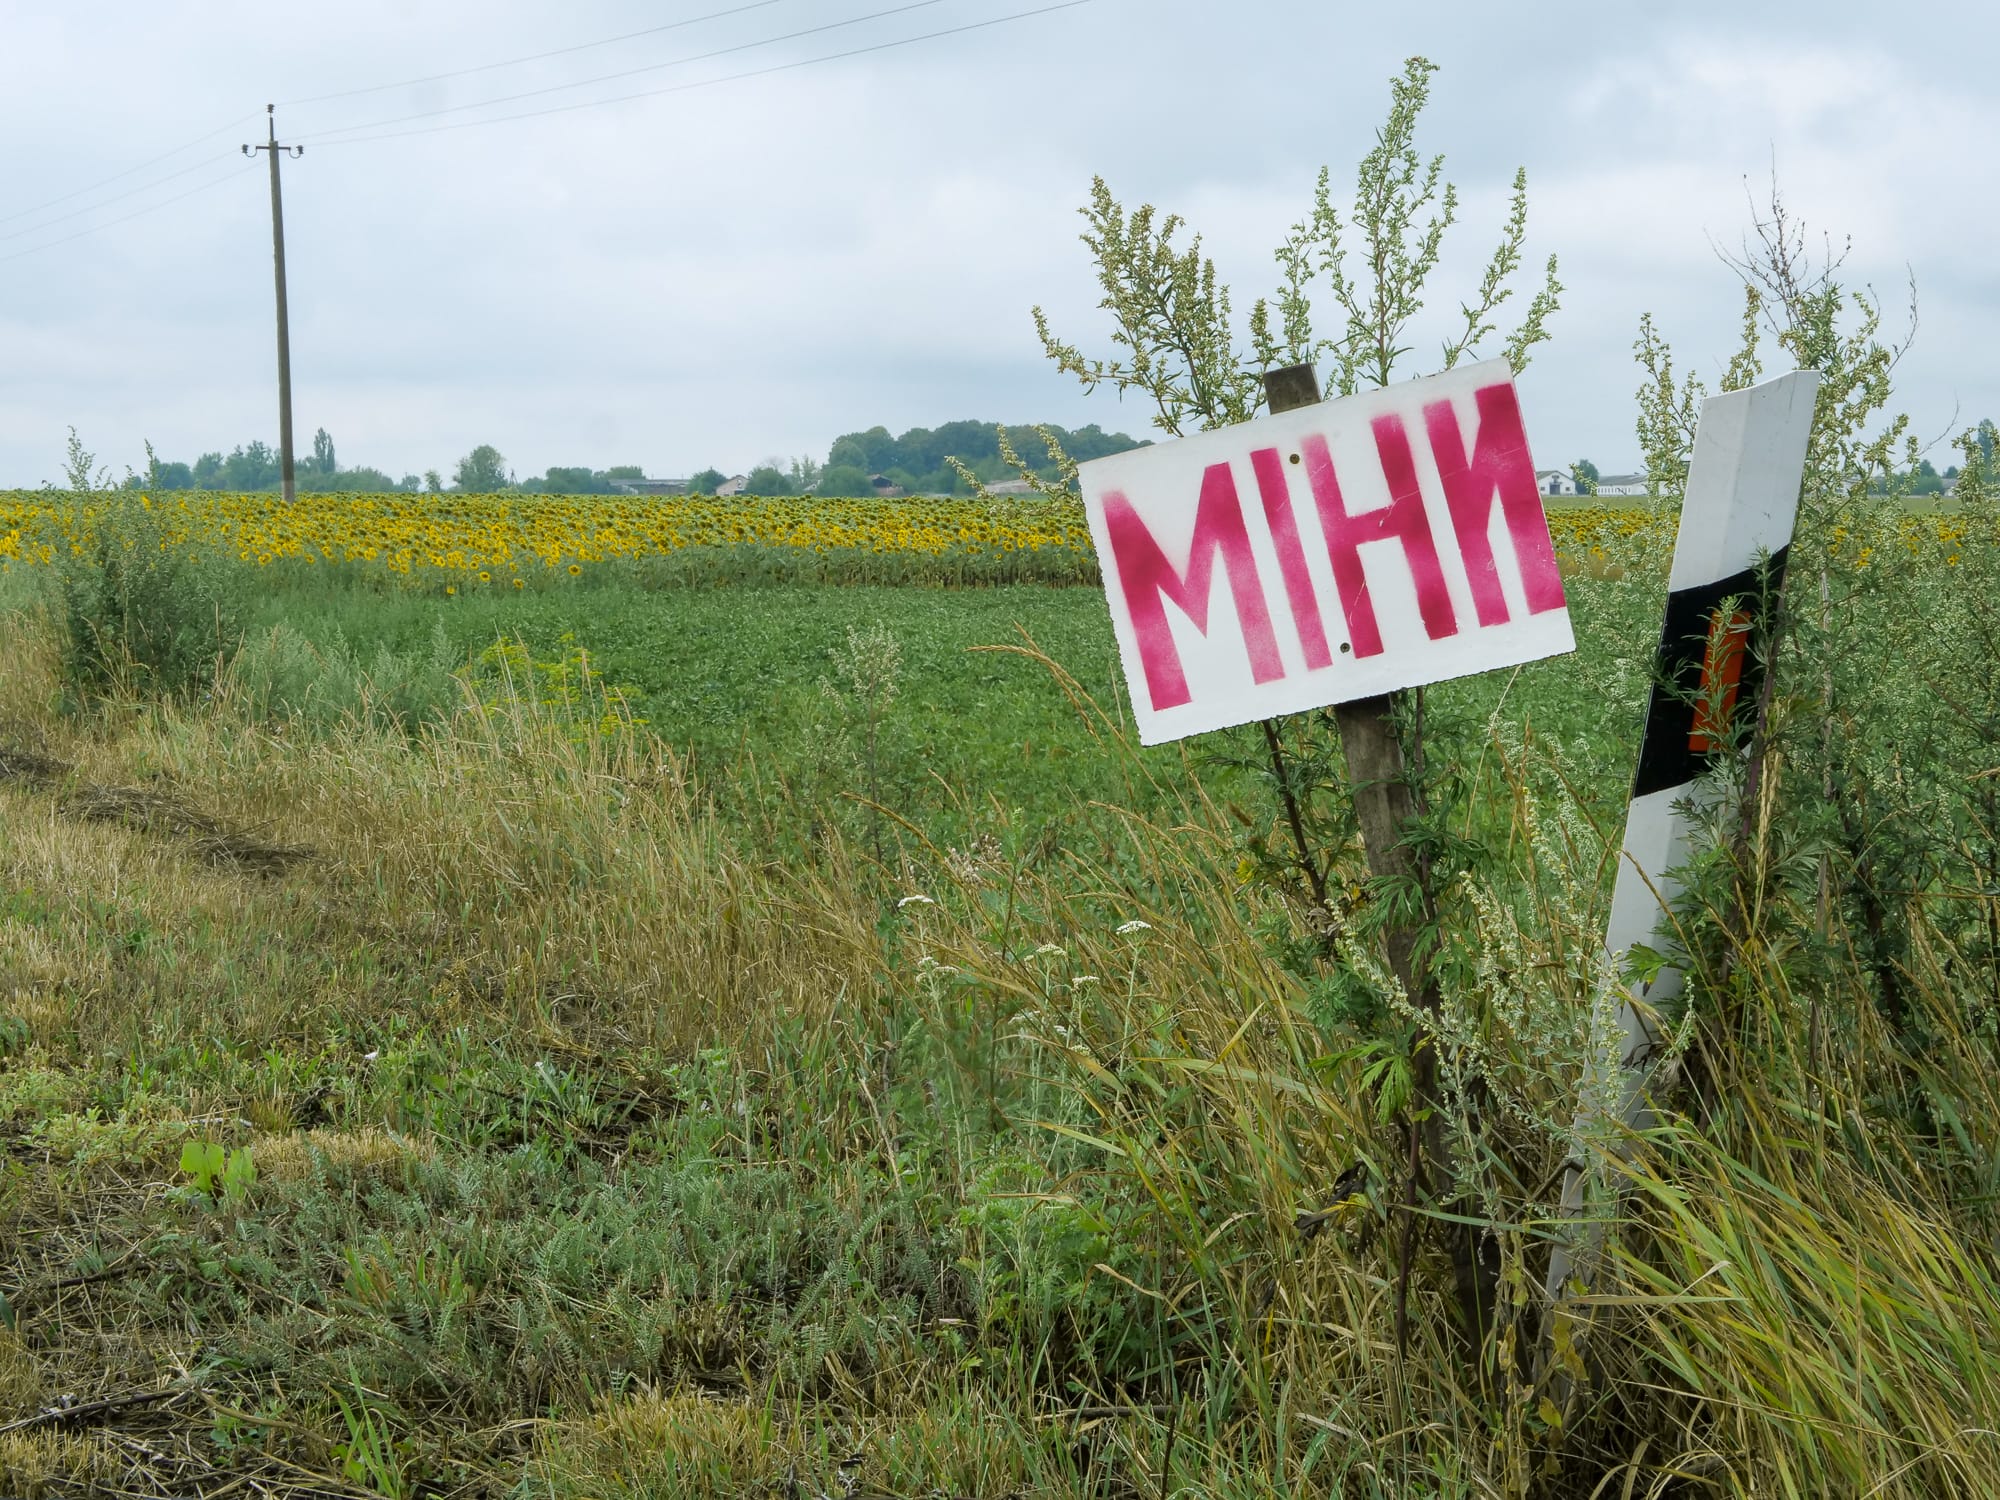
(1383, 805)
(1386, 810)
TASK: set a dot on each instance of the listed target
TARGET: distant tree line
(1921, 478)
(915, 463)
(916, 460)
(256, 466)
(484, 471)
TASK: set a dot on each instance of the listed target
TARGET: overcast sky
(751, 267)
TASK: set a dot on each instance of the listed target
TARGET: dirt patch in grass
(152, 811)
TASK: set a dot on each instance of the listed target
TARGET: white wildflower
(915, 901)
(1125, 929)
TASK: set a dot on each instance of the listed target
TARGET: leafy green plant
(1172, 316)
(219, 1173)
(566, 688)
(867, 674)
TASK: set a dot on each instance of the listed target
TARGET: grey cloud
(717, 275)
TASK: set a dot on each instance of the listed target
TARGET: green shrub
(138, 609)
(281, 674)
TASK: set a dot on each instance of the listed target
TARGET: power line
(126, 218)
(216, 182)
(678, 62)
(114, 198)
(681, 88)
(515, 62)
(23, 213)
(71, 196)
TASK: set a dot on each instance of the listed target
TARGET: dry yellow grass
(367, 1153)
(557, 881)
(39, 1465)
(20, 1378)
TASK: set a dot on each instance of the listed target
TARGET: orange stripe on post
(1721, 676)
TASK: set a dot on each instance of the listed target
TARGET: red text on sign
(1497, 470)
(1150, 580)
(1499, 467)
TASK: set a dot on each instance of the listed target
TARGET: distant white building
(1621, 484)
(1554, 482)
(734, 485)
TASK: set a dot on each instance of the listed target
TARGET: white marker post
(1736, 522)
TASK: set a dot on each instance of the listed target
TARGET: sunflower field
(511, 540)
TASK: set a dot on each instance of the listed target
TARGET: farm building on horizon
(1622, 484)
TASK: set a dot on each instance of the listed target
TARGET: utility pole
(284, 322)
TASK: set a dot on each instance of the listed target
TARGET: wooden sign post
(1384, 806)
(1397, 538)
(1368, 740)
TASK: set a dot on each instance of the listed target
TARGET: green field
(415, 1078)
(738, 677)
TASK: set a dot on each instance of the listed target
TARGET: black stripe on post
(1679, 746)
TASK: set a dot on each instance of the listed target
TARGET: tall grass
(608, 1142)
